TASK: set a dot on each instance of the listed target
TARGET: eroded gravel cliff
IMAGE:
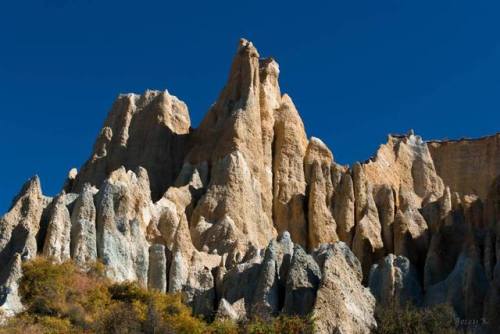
(249, 217)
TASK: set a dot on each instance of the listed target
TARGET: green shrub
(278, 325)
(44, 286)
(61, 298)
(223, 327)
(29, 324)
(411, 320)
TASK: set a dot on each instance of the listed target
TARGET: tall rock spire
(231, 140)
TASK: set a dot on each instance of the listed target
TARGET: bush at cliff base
(60, 298)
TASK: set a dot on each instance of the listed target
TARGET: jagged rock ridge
(248, 217)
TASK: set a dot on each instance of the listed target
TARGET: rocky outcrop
(367, 244)
(289, 184)
(57, 239)
(302, 284)
(322, 227)
(385, 200)
(458, 162)
(83, 244)
(19, 227)
(394, 282)
(157, 271)
(342, 304)
(226, 311)
(344, 212)
(273, 275)
(230, 139)
(149, 131)
(10, 300)
(465, 288)
(405, 163)
(411, 237)
(198, 212)
(121, 241)
(239, 284)
(447, 242)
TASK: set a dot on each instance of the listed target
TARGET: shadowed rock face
(149, 131)
(248, 217)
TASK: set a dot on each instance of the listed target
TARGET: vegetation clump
(61, 298)
(409, 319)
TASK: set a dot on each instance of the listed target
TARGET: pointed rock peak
(317, 150)
(32, 187)
(246, 48)
(287, 102)
(243, 79)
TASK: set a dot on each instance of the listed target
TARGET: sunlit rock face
(247, 216)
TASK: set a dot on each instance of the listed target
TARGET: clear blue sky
(357, 70)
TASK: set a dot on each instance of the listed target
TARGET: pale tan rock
(270, 102)
(411, 235)
(123, 213)
(468, 166)
(344, 212)
(83, 244)
(189, 267)
(318, 152)
(342, 304)
(317, 165)
(148, 130)
(405, 162)
(19, 226)
(386, 204)
(226, 311)
(172, 212)
(235, 311)
(199, 290)
(57, 239)
(290, 144)
(321, 225)
(220, 193)
(367, 244)
(231, 138)
(178, 273)
(233, 193)
(360, 191)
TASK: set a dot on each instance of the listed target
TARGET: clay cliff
(247, 216)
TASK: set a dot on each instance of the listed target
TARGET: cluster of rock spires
(248, 217)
